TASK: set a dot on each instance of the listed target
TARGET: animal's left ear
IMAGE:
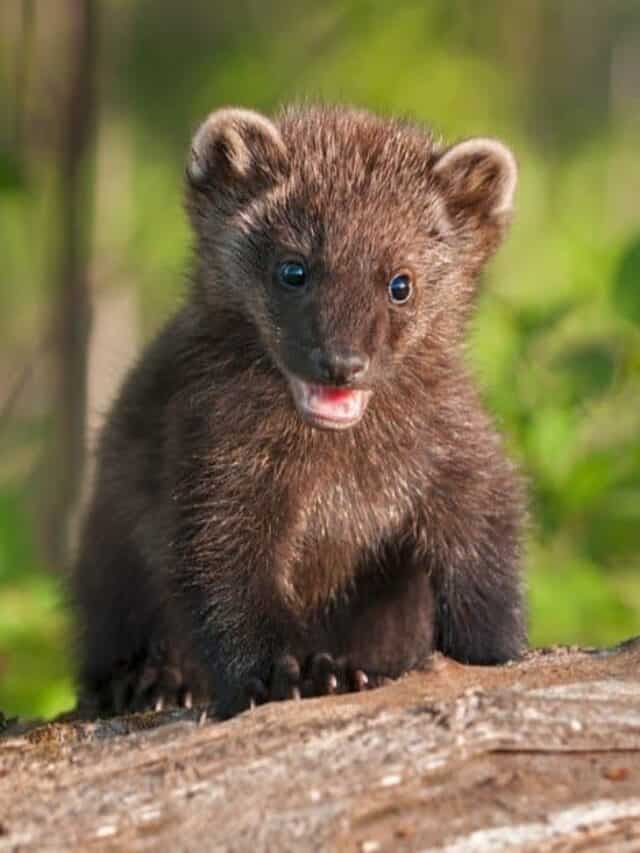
(478, 180)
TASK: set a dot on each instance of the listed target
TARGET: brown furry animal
(298, 489)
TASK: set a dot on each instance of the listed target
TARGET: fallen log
(539, 755)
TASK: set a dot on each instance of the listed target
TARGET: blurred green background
(99, 101)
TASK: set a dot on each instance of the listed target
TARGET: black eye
(293, 274)
(400, 288)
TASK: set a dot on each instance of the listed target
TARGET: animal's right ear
(235, 154)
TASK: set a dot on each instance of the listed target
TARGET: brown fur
(233, 549)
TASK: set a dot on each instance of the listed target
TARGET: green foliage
(35, 677)
(11, 175)
(567, 599)
(556, 344)
(626, 291)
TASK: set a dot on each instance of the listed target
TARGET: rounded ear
(235, 150)
(478, 178)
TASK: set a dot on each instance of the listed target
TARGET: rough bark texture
(542, 755)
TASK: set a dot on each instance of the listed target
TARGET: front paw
(319, 675)
(153, 682)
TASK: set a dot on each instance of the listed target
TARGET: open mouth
(328, 406)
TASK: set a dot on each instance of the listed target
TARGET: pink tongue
(332, 395)
(328, 402)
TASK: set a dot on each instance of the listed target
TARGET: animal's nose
(340, 367)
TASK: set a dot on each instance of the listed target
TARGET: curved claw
(256, 693)
(359, 680)
(324, 674)
(285, 678)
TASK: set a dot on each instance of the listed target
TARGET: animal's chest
(349, 513)
(305, 513)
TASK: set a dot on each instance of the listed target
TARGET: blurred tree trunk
(71, 288)
(22, 74)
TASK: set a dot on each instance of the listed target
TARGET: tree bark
(71, 290)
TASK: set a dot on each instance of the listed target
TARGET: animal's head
(352, 242)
